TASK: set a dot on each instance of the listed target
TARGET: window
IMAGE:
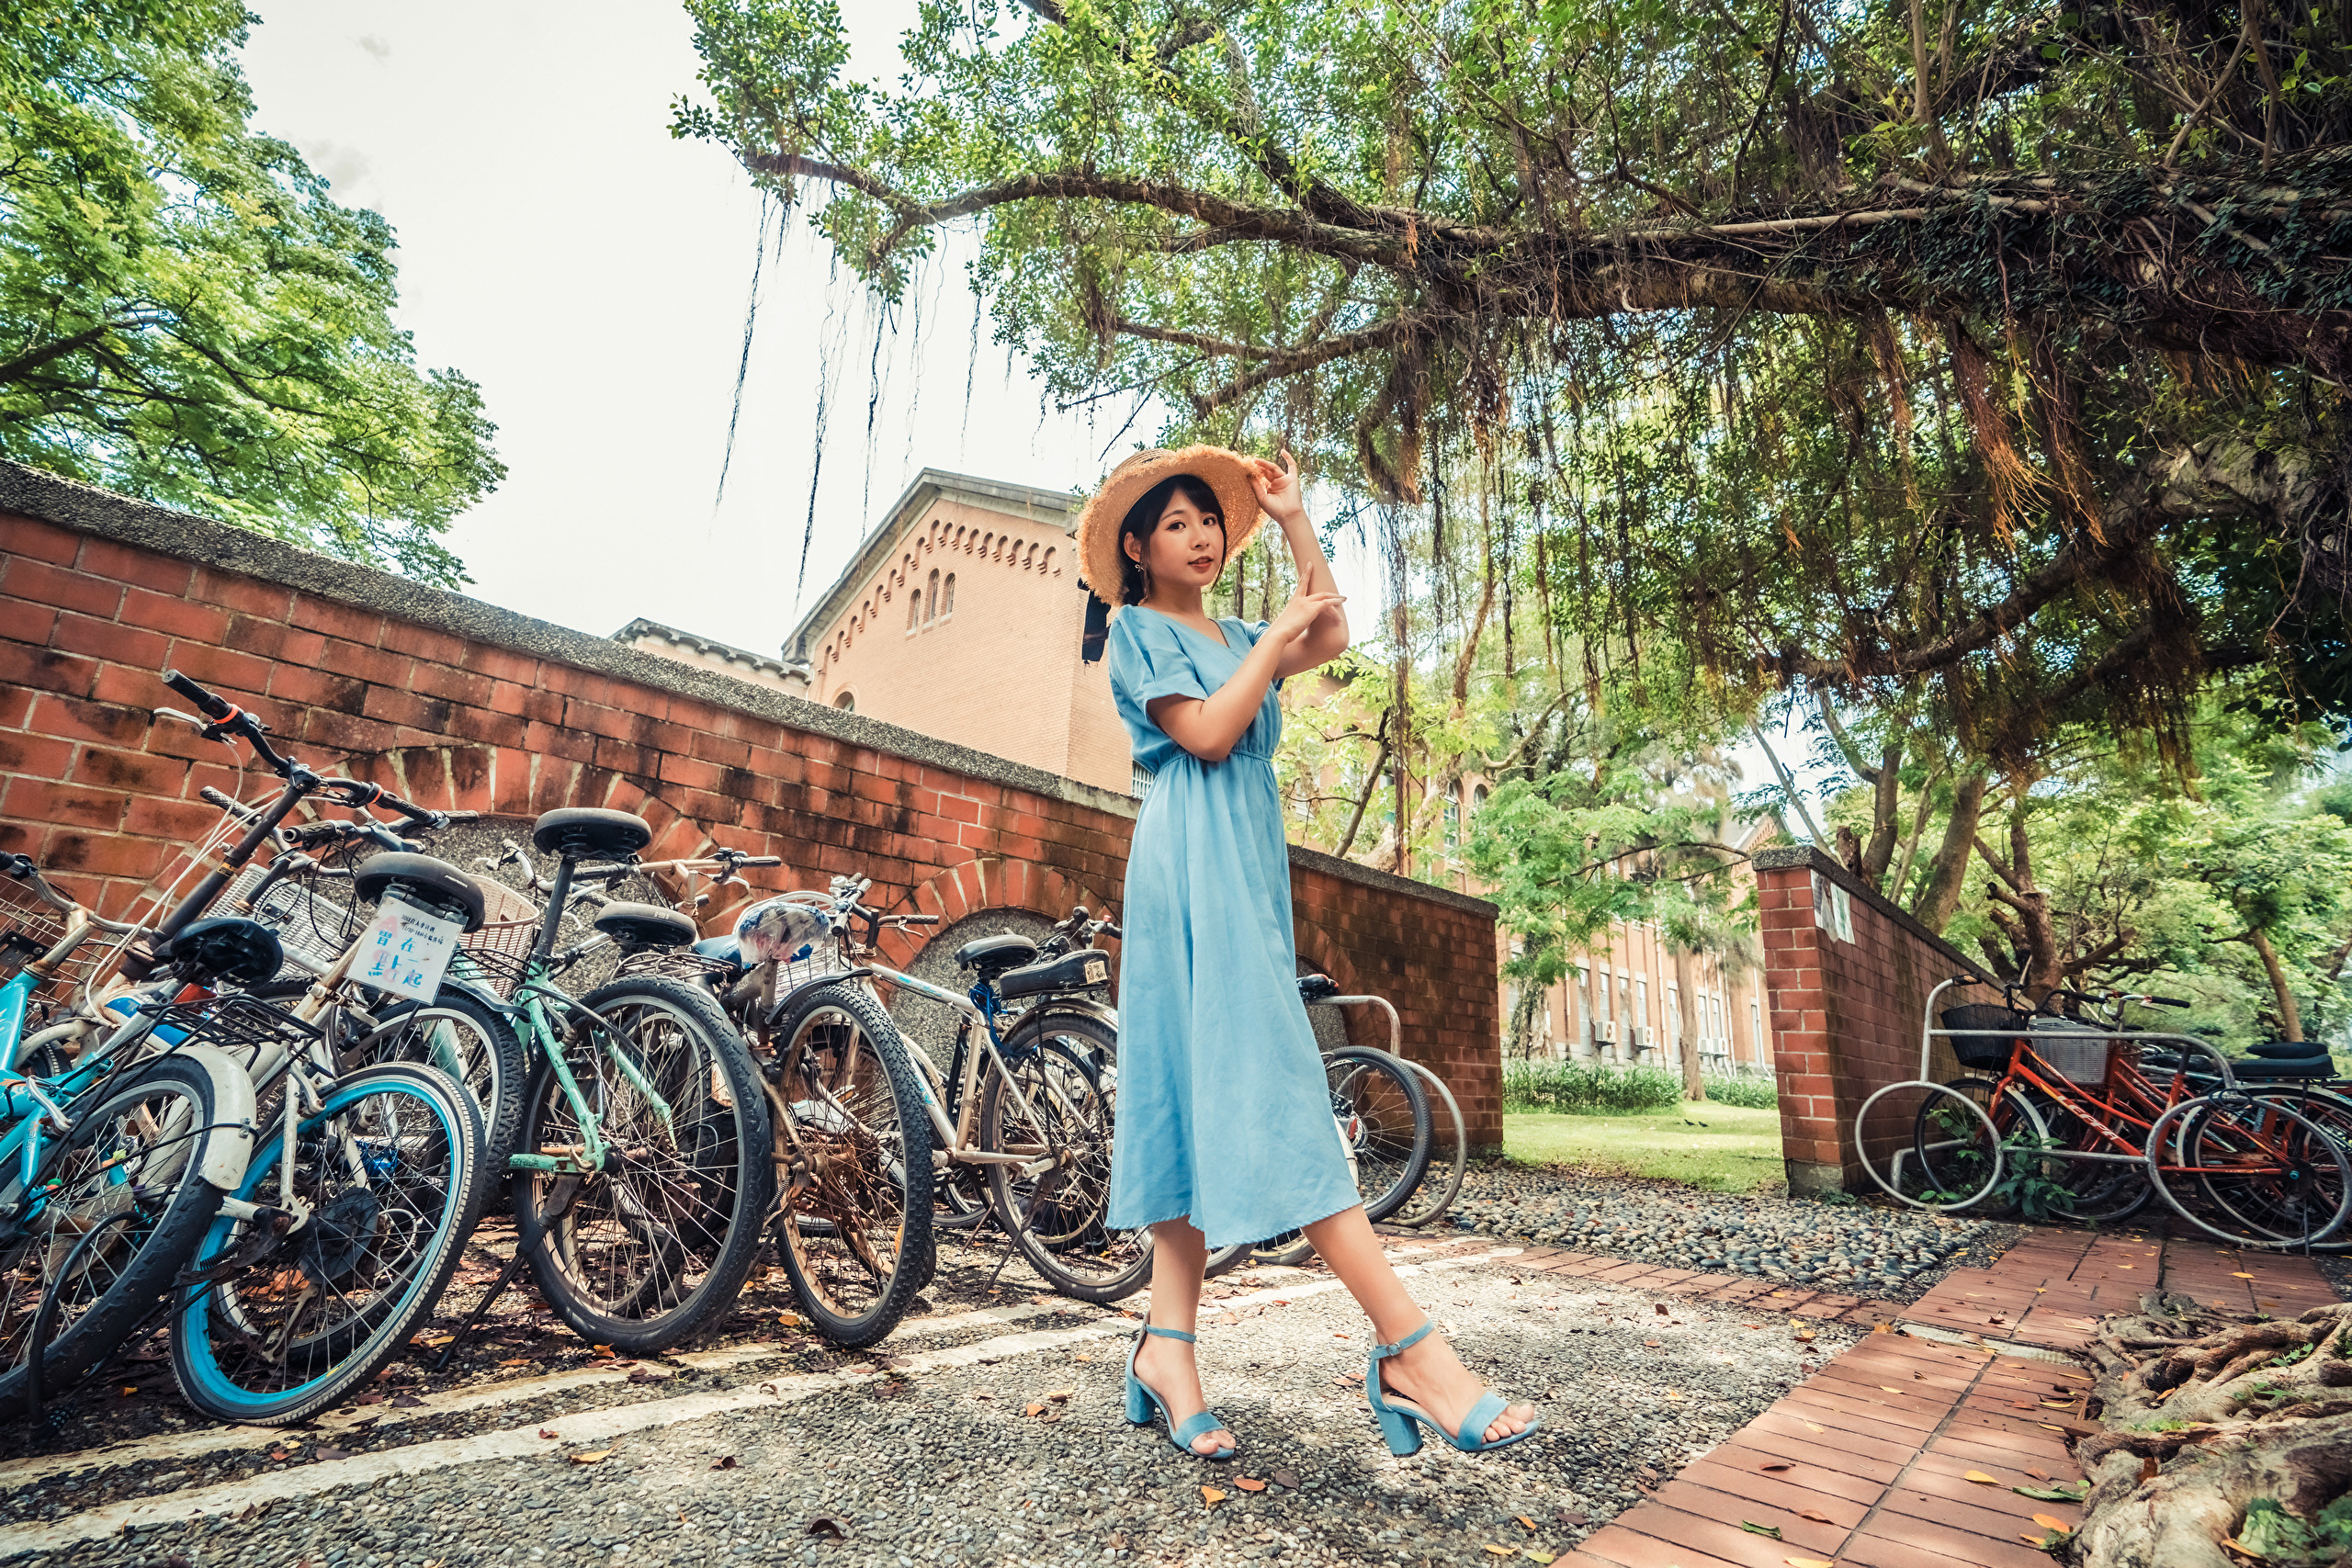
(1140, 781)
(1642, 1003)
(1477, 800)
(1452, 827)
(947, 602)
(934, 599)
(1600, 989)
(846, 702)
(1049, 565)
(1674, 1012)
(914, 609)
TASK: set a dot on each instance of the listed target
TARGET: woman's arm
(1282, 497)
(1209, 727)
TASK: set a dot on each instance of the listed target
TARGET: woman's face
(1187, 548)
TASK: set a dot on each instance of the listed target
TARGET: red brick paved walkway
(1866, 1463)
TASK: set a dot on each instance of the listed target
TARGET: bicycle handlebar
(219, 710)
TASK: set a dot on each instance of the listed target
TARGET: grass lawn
(1736, 1151)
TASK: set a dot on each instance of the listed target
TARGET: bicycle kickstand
(558, 1201)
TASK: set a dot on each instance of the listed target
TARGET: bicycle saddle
(1315, 987)
(583, 830)
(434, 882)
(993, 955)
(2287, 1050)
(2258, 1069)
(646, 925)
(226, 950)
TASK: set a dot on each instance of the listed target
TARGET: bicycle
(2274, 1177)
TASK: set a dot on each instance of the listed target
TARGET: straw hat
(1227, 473)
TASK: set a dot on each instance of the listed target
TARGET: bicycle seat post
(568, 854)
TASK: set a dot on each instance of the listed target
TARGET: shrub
(1577, 1087)
(1755, 1091)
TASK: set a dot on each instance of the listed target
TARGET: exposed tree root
(2229, 1439)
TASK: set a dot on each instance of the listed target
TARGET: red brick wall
(456, 704)
(1847, 1016)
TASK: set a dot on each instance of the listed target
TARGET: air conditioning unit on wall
(1605, 1028)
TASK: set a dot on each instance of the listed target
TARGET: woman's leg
(1430, 1374)
(1178, 1252)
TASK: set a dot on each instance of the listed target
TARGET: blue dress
(1223, 1113)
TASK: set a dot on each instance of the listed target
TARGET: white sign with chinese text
(405, 949)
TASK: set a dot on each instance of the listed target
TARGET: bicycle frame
(982, 1006)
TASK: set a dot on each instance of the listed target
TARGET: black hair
(1143, 518)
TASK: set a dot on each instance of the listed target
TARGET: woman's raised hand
(1298, 617)
(1278, 487)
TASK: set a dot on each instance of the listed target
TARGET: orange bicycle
(2062, 1117)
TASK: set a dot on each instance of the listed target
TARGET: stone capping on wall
(1808, 857)
(46, 498)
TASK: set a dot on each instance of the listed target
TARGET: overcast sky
(591, 274)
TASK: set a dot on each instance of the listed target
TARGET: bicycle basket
(2074, 1053)
(1981, 1032)
(311, 929)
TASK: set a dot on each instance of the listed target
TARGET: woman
(1225, 1129)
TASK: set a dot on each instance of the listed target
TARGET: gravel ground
(942, 1465)
(1858, 1248)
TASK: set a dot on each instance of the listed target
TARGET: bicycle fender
(786, 1001)
(232, 1112)
(1085, 1007)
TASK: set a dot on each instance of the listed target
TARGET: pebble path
(971, 1437)
(1856, 1247)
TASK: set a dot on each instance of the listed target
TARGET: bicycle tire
(1449, 1149)
(467, 1040)
(378, 1249)
(644, 1254)
(144, 1279)
(1065, 1112)
(2100, 1193)
(1943, 1160)
(1368, 1129)
(855, 1226)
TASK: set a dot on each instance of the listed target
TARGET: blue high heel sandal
(1142, 1401)
(1401, 1424)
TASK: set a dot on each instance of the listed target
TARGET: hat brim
(1225, 472)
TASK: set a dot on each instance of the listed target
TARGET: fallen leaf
(1771, 1533)
(1062, 1395)
(826, 1525)
(1811, 1428)
(2150, 1468)
(2051, 1522)
(1211, 1496)
(1661, 1309)
(1981, 1479)
(1247, 1484)
(1816, 1519)
(1535, 1556)
(1035, 1407)
(1806, 1337)
(1883, 1389)
(1501, 1551)
(1286, 1478)
(1875, 1328)
(1081, 1358)
(2057, 1404)
(1771, 1467)
(1652, 1344)
(2049, 1493)
(2038, 1475)
(128, 1392)
(2241, 1277)
(251, 1509)
(1524, 1521)
(593, 1456)
(510, 1361)
(545, 1433)
(601, 1352)
(1569, 1517)
(1337, 1335)
(725, 1462)
(329, 1453)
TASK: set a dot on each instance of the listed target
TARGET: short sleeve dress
(1224, 1115)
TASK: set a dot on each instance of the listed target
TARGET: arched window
(947, 601)
(1477, 800)
(1049, 566)
(934, 594)
(914, 609)
(1453, 825)
(846, 702)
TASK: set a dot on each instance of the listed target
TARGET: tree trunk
(1694, 1085)
(1948, 873)
(2290, 1017)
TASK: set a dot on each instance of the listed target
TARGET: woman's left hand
(1278, 487)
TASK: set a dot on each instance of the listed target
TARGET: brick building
(960, 617)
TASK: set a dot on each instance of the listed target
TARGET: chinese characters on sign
(405, 949)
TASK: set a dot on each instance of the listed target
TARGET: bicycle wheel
(2097, 1192)
(274, 1328)
(1382, 1115)
(854, 1226)
(1449, 1155)
(1058, 1112)
(1957, 1155)
(460, 1033)
(2252, 1172)
(643, 1252)
(133, 1163)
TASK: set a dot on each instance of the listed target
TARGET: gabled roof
(1057, 507)
(704, 645)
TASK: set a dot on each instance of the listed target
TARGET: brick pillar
(1848, 974)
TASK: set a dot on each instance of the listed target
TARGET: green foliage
(1570, 1088)
(1754, 1091)
(2279, 1537)
(186, 314)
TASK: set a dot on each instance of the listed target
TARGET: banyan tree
(1985, 357)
